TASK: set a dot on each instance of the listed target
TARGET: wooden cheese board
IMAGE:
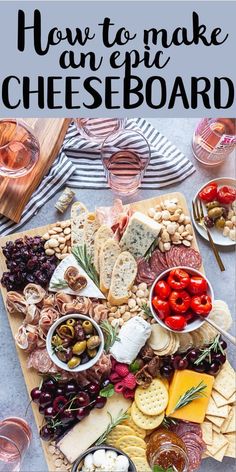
(32, 379)
(15, 193)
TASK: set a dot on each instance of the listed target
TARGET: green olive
(71, 322)
(79, 347)
(66, 331)
(213, 204)
(215, 213)
(93, 342)
(73, 362)
(92, 353)
(87, 327)
(220, 223)
(56, 340)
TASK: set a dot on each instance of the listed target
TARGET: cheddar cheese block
(182, 381)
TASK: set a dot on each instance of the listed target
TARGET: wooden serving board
(15, 193)
(32, 379)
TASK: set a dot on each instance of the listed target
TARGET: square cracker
(229, 422)
(214, 410)
(207, 432)
(231, 450)
(222, 401)
(218, 442)
(231, 427)
(219, 456)
(215, 420)
(216, 428)
(225, 382)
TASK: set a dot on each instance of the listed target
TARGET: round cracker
(118, 432)
(153, 399)
(131, 440)
(185, 341)
(141, 464)
(135, 451)
(144, 421)
(138, 431)
(198, 338)
(160, 338)
(221, 315)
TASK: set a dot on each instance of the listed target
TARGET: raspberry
(129, 381)
(113, 363)
(127, 393)
(119, 387)
(114, 377)
(122, 370)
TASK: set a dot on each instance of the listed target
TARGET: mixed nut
(58, 240)
(75, 342)
(176, 226)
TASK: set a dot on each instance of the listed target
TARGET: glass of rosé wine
(97, 129)
(19, 148)
(125, 156)
(15, 437)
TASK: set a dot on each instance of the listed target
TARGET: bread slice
(123, 276)
(90, 228)
(78, 214)
(108, 255)
(102, 235)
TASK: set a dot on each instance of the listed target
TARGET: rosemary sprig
(214, 346)
(81, 255)
(59, 348)
(110, 334)
(113, 423)
(146, 310)
(150, 250)
(192, 394)
(60, 283)
(168, 422)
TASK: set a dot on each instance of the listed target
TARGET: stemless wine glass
(96, 129)
(125, 156)
(15, 437)
(19, 148)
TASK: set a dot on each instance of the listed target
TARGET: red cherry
(100, 402)
(81, 413)
(35, 394)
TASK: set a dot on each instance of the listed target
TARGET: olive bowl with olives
(75, 342)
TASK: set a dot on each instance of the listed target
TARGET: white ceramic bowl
(54, 357)
(194, 324)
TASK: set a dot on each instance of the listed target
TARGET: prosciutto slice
(47, 318)
(34, 294)
(26, 338)
(16, 303)
(108, 215)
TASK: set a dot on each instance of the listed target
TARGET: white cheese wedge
(85, 433)
(91, 290)
(140, 233)
(132, 337)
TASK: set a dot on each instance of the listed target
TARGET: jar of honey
(166, 449)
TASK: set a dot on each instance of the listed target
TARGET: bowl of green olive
(75, 342)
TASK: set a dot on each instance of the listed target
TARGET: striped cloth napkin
(79, 165)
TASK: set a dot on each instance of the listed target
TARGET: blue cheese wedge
(140, 233)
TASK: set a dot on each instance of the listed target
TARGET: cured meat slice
(191, 258)
(191, 435)
(108, 215)
(158, 261)
(40, 361)
(145, 274)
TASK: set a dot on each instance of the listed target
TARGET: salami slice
(40, 361)
(191, 258)
(145, 274)
(191, 435)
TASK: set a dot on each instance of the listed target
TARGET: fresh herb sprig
(214, 346)
(110, 334)
(59, 284)
(192, 394)
(107, 391)
(146, 310)
(84, 260)
(150, 250)
(58, 348)
(168, 422)
(158, 468)
(113, 423)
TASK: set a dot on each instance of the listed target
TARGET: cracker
(214, 410)
(225, 382)
(215, 420)
(185, 341)
(216, 428)
(231, 427)
(231, 449)
(160, 338)
(207, 432)
(198, 338)
(139, 431)
(118, 432)
(220, 400)
(219, 456)
(131, 440)
(221, 315)
(152, 400)
(135, 451)
(227, 420)
(144, 421)
(218, 441)
(141, 464)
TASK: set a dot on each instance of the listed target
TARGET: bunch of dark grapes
(27, 263)
(210, 365)
(64, 404)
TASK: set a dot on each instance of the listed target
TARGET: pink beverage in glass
(96, 129)
(125, 157)
(213, 140)
(15, 437)
(19, 148)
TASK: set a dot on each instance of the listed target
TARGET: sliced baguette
(123, 276)
(102, 235)
(108, 255)
(78, 214)
(90, 228)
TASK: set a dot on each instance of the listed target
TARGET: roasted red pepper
(162, 307)
(201, 305)
(209, 193)
(197, 285)
(180, 301)
(178, 279)
(226, 195)
(177, 322)
(162, 289)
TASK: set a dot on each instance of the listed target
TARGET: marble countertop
(13, 394)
